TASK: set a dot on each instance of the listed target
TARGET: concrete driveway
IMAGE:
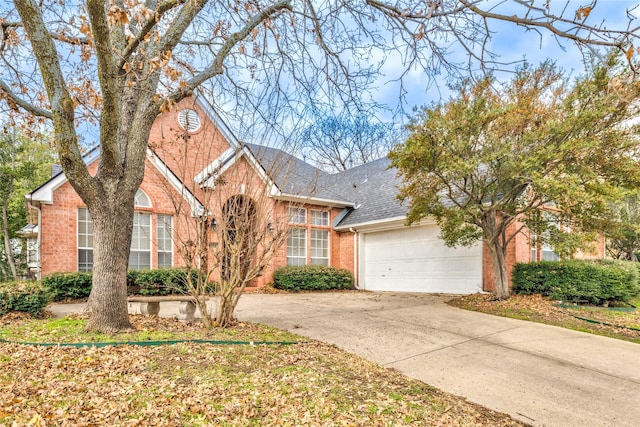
(539, 374)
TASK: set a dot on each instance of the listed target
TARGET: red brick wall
(519, 250)
(340, 244)
(186, 153)
(59, 222)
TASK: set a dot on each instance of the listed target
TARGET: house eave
(381, 225)
(314, 200)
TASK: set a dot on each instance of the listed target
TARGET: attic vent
(189, 120)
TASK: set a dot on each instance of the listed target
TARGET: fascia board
(204, 177)
(217, 121)
(382, 225)
(196, 208)
(224, 164)
(44, 193)
(258, 168)
(314, 200)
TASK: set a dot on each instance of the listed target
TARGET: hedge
(62, 286)
(312, 277)
(588, 281)
(28, 297)
(167, 281)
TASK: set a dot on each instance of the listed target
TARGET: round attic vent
(189, 120)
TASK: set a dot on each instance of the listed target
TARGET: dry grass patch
(611, 322)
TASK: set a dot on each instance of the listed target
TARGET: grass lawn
(188, 384)
(611, 322)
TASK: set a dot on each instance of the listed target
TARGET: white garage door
(414, 259)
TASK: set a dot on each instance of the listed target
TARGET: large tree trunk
(493, 230)
(112, 225)
(8, 250)
(499, 264)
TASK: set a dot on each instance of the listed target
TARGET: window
(85, 241)
(32, 251)
(543, 248)
(142, 200)
(140, 255)
(548, 254)
(297, 215)
(165, 243)
(297, 246)
(320, 247)
(319, 218)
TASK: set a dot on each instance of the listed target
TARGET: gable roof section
(44, 193)
(217, 121)
(297, 180)
(367, 192)
(197, 209)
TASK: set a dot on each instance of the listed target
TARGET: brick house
(350, 219)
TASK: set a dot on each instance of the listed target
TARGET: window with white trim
(548, 254)
(141, 199)
(165, 242)
(296, 246)
(296, 215)
(318, 217)
(85, 241)
(140, 254)
(320, 247)
(32, 251)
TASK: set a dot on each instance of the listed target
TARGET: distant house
(350, 219)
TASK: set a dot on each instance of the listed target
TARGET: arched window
(142, 200)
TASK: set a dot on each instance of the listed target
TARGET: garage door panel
(416, 260)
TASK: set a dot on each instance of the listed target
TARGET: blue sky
(515, 43)
(511, 42)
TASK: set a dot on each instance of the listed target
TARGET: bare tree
(231, 236)
(118, 64)
(337, 143)
(228, 246)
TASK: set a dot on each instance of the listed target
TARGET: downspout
(39, 245)
(356, 267)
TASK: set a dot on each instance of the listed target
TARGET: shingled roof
(370, 188)
(373, 188)
(295, 177)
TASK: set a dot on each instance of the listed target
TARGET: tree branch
(548, 25)
(216, 67)
(25, 105)
(111, 104)
(62, 106)
(146, 29)
(178, 27)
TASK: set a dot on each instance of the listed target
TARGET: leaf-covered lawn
(603, 321)
(232, 385)
(70, 329)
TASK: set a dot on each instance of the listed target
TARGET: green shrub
(167, 281)
(312, 277)
(62, 286)
(28, 297)
(590, 281)
(160, 282)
